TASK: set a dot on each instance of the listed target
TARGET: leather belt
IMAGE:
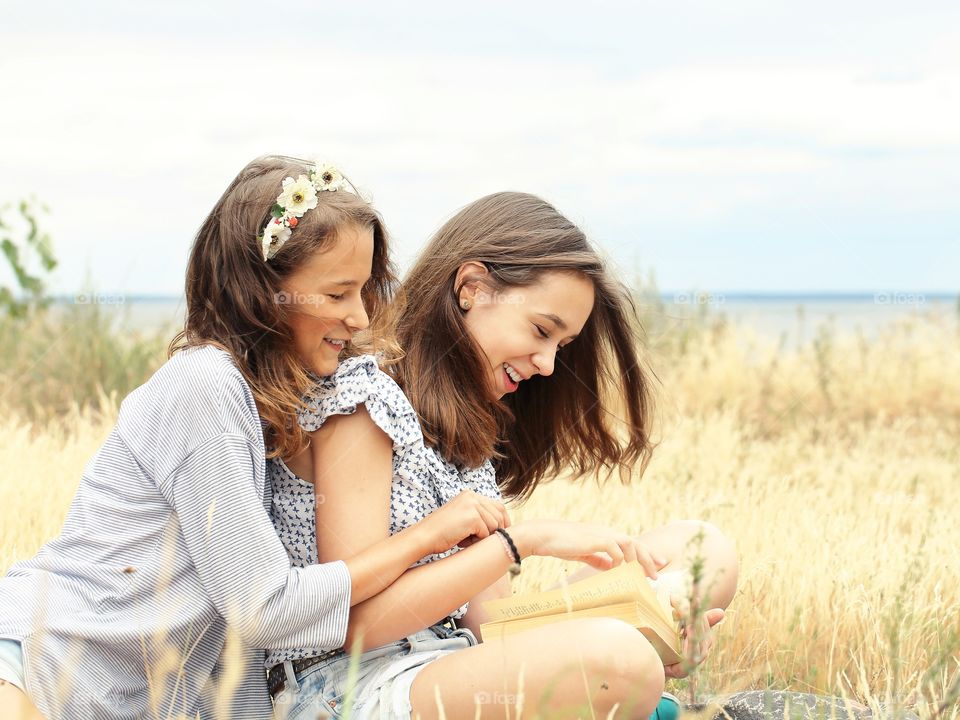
(277, 677)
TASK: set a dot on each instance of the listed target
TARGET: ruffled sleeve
(360, 381)
(450, 480)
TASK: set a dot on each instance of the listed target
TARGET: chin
(324, 367)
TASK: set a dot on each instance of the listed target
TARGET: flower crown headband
(297, 197)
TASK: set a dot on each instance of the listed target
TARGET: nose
(356, 318)
(543, 362)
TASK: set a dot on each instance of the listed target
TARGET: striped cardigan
(168, 573)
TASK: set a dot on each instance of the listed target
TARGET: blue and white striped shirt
(168, 572)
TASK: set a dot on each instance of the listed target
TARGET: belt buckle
(448, 625)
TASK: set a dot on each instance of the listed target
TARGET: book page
(624, 583)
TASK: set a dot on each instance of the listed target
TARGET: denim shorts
(11, 663)
(383, 679)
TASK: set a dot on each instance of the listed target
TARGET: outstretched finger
(715, 616)
(675, 671)
(646, 560)
(615, 553)
(600, 561)
(629, 549)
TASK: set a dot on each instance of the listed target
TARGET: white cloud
(138, 137)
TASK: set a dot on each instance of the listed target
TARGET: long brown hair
(232, 292)
(568, 421)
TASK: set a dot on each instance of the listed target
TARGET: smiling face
(324, 298)
(520, 329)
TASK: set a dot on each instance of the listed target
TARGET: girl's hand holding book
(697, 637)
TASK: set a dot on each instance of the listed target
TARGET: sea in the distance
(794, 318)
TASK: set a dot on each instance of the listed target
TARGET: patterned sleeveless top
(422, 480)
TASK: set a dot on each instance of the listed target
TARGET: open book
(623, 593)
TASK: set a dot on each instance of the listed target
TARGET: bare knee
(699, 532)
(623, 669)
(725, 563)
(717, 551)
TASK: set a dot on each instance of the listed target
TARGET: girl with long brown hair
(168, 574)
(521, 360)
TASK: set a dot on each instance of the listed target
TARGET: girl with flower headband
(520, 362)
(168, 573)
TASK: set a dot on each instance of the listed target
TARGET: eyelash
(337, 298)
(546, 336)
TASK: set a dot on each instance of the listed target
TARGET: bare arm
(353, 469)
(353, 507)
(426, 594)
(476, 615)
(352, 476)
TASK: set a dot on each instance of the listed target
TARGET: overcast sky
(762, 145)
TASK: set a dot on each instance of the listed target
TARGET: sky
(758, 146)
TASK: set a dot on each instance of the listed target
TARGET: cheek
(496, 334)
(308, 331)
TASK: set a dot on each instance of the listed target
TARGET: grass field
(835, 468)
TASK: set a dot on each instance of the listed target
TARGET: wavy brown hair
(592, 413)
(232, 292)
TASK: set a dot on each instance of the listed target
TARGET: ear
(469, 277)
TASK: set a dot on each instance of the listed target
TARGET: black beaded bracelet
(515, 568)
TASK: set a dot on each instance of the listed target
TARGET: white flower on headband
(327, 177)
(274, 236)
(298, 196)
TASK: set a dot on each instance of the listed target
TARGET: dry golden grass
(42, 468)
(836, 469)
(837, 472)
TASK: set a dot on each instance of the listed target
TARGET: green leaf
(15, 246)
(11, 251)
(277, 210)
